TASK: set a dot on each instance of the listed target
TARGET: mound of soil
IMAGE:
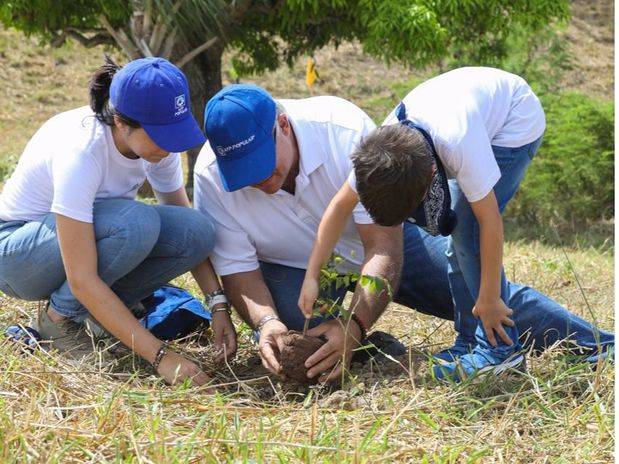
(297, 348)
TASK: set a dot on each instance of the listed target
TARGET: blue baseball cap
(238, 122)
(155, 93)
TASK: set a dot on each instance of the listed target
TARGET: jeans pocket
(534, 147)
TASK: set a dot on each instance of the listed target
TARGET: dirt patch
(297, 348)
(591, 34)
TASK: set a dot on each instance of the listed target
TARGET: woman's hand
(175, 368)
(308, 296)
(224, 336)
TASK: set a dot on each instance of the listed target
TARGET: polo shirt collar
(311, 153)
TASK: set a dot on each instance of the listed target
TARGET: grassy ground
(115, 409)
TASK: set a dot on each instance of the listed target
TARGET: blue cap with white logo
(238, 122)
(155, 93)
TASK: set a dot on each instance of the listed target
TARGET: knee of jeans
(7, 290)
(138, 225)
(201, 233)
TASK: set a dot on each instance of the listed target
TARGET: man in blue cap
(266, 177)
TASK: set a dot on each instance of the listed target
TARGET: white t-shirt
(468, 110)
(70, 163)
(281, 228)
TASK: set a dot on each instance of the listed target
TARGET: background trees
(264, 34)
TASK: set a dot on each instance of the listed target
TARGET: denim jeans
(425, 287)
(140, 247)
(463, 252)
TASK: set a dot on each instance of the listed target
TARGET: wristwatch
(217, 297)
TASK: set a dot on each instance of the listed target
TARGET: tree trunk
(204, 76)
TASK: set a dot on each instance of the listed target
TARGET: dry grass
(591, 35)
(115, 409)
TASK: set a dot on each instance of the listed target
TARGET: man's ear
(118, 123)
(284, 123)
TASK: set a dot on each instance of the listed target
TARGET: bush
(571, 178)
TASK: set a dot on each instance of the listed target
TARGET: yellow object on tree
(310, 72)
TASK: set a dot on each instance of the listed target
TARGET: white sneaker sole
(517, 362)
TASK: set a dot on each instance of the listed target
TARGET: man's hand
(308, 296)
(224, 336)
(494, 314)
(270, 345)
(343, 337)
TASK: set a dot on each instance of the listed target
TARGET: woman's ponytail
(99, 89)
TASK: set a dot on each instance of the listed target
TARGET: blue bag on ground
(23, 334)
(172, 312)
(169, 313)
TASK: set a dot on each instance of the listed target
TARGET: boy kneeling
(481, 128)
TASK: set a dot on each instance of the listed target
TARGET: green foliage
(7, 166)
(542, 57)
(572, 177)
(48, 17)
(332, 278)
(480, 30)
(414, 32)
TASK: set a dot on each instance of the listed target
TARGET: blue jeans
(140, 247)
(425, 287)
(463, 252)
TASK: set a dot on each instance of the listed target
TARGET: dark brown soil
(297, 348)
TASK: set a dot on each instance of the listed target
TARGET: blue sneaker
(478, 362)
(607, 352)
(460, 348)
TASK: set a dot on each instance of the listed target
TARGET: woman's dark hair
(99, 89)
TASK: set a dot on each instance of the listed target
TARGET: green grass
(116, 410)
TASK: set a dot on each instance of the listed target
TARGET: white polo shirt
(281, 228)
(468, 110)
(72, 162)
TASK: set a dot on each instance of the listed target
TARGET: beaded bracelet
(364, 332)
(161, 352)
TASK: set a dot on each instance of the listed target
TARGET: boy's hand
(494, 314)
(342, 339)
(308, 296)
(224, 336)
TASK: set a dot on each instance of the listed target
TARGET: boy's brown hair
(393, 167)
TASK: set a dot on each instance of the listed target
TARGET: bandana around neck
(434, 214)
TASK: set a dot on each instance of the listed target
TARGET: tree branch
(144, 48)
(121, 39)
(168, 44)
(196, 51)
(93, 41)
(147, 24)
(97, 39)
(136, 24)
(161, 28)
